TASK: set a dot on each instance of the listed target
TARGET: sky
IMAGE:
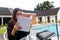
(25, 4)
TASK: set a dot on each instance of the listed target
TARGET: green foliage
(39, 22)
(6, 24)
(44, 6)
(2, 30)
(3, 25)
(55, 20)
(52, 20)
(59, 21)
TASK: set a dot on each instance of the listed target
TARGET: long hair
(14, 20)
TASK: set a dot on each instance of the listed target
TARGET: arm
(16, 27)
(13, 32)
(31, 25)
(11, 29)
(31, 21)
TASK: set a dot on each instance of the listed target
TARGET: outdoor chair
(45, 35)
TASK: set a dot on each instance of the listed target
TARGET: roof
(47, 12)
(9, 11)
(5, 11)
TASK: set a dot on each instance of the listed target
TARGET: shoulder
(10, 22)
(10, 25)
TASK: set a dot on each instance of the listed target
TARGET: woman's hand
(17, 27)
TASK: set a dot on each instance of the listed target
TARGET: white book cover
(24, 23)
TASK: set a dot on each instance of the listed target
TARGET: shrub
(52, 20)
(39, 22)
(59, 21)
(6, 24)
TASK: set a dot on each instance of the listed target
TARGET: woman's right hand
(17, 27)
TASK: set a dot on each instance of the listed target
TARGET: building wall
(58, 15)
(45, 18)
(37, 19)
(52, 18)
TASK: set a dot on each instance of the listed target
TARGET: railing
(57, 28)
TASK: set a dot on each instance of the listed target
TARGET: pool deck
(32, 32)
(1, 37)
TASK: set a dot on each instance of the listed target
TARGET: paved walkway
(1, 37)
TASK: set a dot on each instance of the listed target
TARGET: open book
(24, 23)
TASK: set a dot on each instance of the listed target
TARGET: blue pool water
(51, 28)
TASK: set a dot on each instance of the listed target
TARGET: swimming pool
(50, 27)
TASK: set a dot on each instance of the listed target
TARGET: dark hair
(14, 15)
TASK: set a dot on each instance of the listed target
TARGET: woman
(13, 28)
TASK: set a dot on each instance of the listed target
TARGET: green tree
(44, 6)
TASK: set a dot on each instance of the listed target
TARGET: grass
(2, 30)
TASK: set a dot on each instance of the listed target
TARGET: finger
(19, 27)
(17, 23)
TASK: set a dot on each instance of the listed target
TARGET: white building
(48, 15)
(5, 15)
(41, 16)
